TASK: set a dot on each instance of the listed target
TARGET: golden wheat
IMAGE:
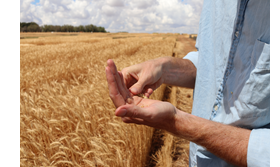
(66, 115)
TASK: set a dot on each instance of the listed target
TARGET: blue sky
(36, 2)
(175, 16)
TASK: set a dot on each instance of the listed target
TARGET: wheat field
(66, 115)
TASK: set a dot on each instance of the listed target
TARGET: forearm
(227, 142)
(178, 72)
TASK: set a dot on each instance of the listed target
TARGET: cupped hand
(148, 112)
(134, 109)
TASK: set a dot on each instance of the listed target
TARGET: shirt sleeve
(258, 153)
(193, 57)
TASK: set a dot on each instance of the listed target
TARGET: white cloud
(143, 4)
(110, 11)
(180, 16)
(115, 3)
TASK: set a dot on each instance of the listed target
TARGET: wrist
(186, 126)
(181, 123)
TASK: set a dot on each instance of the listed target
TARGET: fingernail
(122, 112)
(134, 90)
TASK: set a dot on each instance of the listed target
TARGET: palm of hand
(149, 112)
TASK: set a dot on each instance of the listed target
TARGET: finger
(129, 79)
(123, 84)
(114, 93)
(133, 120)
(142, 86)
(120, 85)
(138, 86)
(147, 91)
(137, 121)
(156, 84)
(133, 111)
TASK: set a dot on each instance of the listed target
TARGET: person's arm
(179, 72)
(227, 142)
(148, 76)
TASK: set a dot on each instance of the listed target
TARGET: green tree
(101, 29)
(81, 28)
(89, 28)
(29, 27)
(34, 27)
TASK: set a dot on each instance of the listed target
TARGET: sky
(174, 16)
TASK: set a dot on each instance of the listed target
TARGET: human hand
(144, 77)
(134, 109)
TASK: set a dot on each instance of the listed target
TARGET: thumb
(137, 87)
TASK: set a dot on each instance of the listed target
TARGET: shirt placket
(236, 37)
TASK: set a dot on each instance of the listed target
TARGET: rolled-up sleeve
(193, 57)
(258, 154)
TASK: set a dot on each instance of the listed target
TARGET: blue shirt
(233, 75)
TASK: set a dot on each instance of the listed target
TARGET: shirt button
(237, 34)
(216, 107)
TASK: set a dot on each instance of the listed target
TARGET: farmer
(230, 74)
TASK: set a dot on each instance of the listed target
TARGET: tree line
(34, 27)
